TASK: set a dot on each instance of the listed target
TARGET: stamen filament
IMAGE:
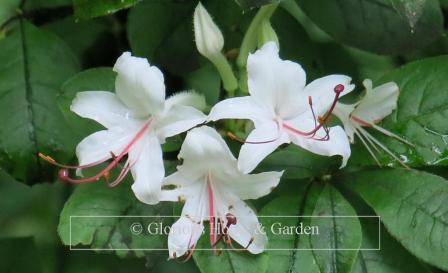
(381, 129)
(368, 147)
(234, 137)
(211, 209)
(367, 135)
(64, 175)
(338, 90)
(50, 160)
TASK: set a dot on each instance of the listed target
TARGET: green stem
(250, 39)
(229, 80)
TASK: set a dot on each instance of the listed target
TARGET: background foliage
(51, 49)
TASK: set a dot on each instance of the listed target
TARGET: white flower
(376, 104)
(208, 37)
(213, 189)
(284, 110)
(138, 119)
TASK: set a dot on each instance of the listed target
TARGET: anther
(339, 88)
(322, 120)
(231, 219)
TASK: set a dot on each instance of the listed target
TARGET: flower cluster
(284, 109)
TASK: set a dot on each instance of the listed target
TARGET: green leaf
(298, 163)
(381, 26)
(8, 9)
(32, 212)
(34, 65)
(420, 116)
(19, 256)
(317, 200)
(95, 202)
(81, 36)
(173, 34)
(229, 260)
(86, 9)
(412, 206)
(343, 233)
(392, 258)
(283, 261)
(206, 81)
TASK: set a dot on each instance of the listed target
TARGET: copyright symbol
(136, 228)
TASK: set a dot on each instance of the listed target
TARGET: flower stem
(229, 80)
(250, 40)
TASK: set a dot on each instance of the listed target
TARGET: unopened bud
(209, 39)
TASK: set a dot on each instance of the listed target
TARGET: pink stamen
(361, 121)
(338, 89)
(234, 137)
(50, 160)
(121, 176)
(64, 174)
(211, 209)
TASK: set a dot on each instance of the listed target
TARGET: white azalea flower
(376, 104)
(285, 110)
(213, 189)
(138, 119)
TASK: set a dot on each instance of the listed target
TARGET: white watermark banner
(284, 232)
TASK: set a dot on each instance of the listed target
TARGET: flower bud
(209, 39)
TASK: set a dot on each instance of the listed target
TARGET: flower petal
(337, 144)
(252, 154)
(322, 91)
(343, 112)
(181, 185)
(378, 102)
(103, 107)
(275, 83)
(205, 146)
(178, 119)
(140, 86)
(186, 98)
(240, 108)
(147, 169)
(100, 145)
(246, 231)
(183, 236)
(253, 186)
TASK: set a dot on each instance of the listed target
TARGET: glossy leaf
(298, 163)
(96, 202)
(229, 260)
(34, 65)
(412, 206)
(392, 258)
(86, 9)
(381, 26)
(8, 9)
(343, 233)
